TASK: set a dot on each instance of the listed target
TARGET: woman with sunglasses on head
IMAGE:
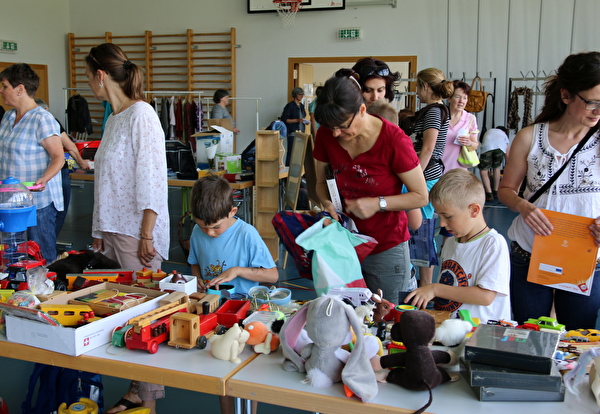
(570, 114)
(376, 79)
(131, 216)
(430, 132)
(371, 159)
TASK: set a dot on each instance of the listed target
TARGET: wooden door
(42, 71)
(304, 79)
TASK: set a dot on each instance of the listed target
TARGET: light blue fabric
(240, 245)
(23, 155)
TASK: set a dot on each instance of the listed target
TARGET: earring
(101, 84)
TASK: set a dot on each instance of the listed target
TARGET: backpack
(408, 123)
(180, 159)
(57, 385)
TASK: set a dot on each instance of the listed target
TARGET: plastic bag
(335, 261)
(38, 282)
(467, 158)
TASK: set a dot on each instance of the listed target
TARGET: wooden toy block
(185, 330)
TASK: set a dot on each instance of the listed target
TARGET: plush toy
(261, 338)
(382, 307)
(327, 322)
(451, 332)
(229, 345)
(416, 369)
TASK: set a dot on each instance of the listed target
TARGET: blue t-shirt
(240, 245)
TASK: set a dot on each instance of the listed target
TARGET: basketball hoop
(287, 9)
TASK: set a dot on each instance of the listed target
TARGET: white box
(76, 341)
(225, 140)
(190, 286)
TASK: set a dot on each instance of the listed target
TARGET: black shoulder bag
(555, 176)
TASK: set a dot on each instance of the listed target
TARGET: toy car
(502, 322)
(583, 335)
(546, 323)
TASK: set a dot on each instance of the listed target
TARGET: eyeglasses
(589, 105)
(91, 54)
(367, 71)
(340, 128)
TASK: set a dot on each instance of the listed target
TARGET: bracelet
(146, 238)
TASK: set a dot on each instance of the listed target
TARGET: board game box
(512, 348)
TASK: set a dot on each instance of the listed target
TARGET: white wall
(40, 29)
(506, 37)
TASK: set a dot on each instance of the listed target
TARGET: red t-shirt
(372, 174)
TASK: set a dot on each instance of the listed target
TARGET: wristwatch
(382, 204)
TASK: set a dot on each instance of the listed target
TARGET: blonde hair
(382, 108)
(458, 188)
(437, 82)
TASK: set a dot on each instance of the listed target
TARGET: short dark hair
(22, 74)
(458, 84)
(212, 199)
(368, 65)
(340, 98)
(109, 58)
(219, 94)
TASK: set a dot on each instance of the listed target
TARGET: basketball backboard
(264, 6)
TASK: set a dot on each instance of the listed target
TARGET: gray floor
(76, 232)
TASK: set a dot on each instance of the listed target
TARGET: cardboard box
(231, 163)
(189, 287)
(76, 341)
(224, 136)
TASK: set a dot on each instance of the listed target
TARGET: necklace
(120, 107)
(476, 234)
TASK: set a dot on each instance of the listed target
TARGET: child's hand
(227, 276)
(201, 287)
(422, 296)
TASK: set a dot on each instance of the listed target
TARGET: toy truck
(151, 328)
(189, 330)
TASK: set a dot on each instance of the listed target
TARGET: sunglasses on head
(91, 54)
(367, 71)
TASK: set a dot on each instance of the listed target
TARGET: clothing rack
(79, 135)
(208, 101)
(528, 76)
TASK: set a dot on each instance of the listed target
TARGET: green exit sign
(8, 46)
(351, 33)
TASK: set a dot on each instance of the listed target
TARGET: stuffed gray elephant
(327, 322)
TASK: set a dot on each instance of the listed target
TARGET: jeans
(66, 187)
(531, 300)
(388, 271)
(44, 233)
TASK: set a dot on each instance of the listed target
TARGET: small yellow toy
(87, 406)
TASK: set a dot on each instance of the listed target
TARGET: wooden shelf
(266, 179)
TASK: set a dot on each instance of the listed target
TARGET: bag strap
(554, 177)
(475, 79)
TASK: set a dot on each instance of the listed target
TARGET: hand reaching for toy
(422, 296)
(227, 276)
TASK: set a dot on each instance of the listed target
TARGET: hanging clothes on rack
(172, 121)
(79, 115)
(164, 117)
(199, 116)
(179, 121)
(107, 111)
(513, 108)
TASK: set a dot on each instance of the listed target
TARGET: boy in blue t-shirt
(224, 248)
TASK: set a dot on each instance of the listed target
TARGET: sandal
(125, 403)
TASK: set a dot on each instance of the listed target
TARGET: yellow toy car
(583, 335)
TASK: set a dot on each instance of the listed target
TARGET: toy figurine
(261, 338)
(229, 345)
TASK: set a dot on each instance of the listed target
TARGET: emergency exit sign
(8, 46)
(349, 33)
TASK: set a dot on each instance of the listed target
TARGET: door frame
(411, 60)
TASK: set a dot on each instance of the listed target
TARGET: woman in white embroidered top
(131, 216)
(571, 109)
